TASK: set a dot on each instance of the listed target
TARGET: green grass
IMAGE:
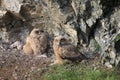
(117, 38)
(77, 72)
(96, 45)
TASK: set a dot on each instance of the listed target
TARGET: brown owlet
(65, 51)
(36, 43)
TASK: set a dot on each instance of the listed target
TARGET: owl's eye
(41, 31)
(36, 32)
(63, 39)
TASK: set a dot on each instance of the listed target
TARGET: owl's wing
(70, 52)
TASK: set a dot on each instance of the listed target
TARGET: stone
(81, 20)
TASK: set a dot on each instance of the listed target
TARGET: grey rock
(12, 5)
(83, 21)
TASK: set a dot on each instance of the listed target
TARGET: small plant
(97, 46)
(77, 72)
(117, 38)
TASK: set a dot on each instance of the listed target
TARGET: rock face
(92, 25)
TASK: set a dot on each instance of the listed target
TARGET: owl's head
(60, 40)
(35, 32)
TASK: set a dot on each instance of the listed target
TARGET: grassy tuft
(77, 72)
(117, 38)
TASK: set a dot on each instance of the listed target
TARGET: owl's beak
(59, 44)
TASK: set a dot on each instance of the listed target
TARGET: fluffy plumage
(37, 41)
(64, 51)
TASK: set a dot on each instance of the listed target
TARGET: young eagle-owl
(64, 51)
(36, 42)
